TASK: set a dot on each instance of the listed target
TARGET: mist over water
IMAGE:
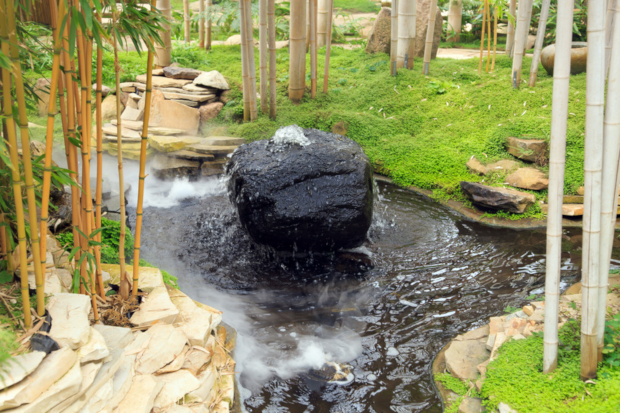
(386, 308)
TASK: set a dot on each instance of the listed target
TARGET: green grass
(357, 6)
(516, 378)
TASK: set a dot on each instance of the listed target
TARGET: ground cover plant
(419, 130)
(516, 377)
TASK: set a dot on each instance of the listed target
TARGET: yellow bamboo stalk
(125, 285)
(187, 23)
(494, 38)
(297, 61)
(26, 159)
(262, 50)
(244, 63)
(17, 184)
(328, 46)
(98, 188)
(49, 136)
(201, 23)
(488, 36)
(313, 56)
(271, 17)
(484, 15)
(252, 62)
(209, 26)
(142, 176)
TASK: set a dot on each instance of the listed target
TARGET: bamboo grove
(78, 30)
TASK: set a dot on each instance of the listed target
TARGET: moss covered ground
(419, 130)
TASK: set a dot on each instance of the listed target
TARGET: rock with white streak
(157, 308)
(165, 344)
(141, 395)
(96, 348)
(51, 369)
(176, 385)
(17, 368)
(70, 325)
(115, 337)
(65, 387)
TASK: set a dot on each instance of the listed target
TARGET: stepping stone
(189, 103)
(17, 368)
(192, 156)
(193, 321)
(155, 130)
(149, 278)
(160, 81)
(223, 141)
(213, 168)
(52, 368)
(157, 72)
(70, 325)
(176, 385)
(167, 168)
(193, 88)
(141, 395)
(96, 348)
(568, 210)
(463, 357)
(132, 114)
(498, 198)
(213, 79)
(170, 114)
(528, 150)
(128, 87)
(125, 132)
(157, 308)
(576, 199)
(528, 178)
(115, 337)
(212, 149)
(164, 345)
(126, 145)
(188, 96)
(67, 386)
(476, 167)
(181, 73)
(505, 165)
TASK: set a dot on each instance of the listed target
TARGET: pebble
(392, 351)
(371, 377)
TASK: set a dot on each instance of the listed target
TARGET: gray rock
(181, 73)
(213, 79)
(463, 358)
(422, 18)
(42, 90)
(380, 36)
(470, 405)
(303, 188)
(498, 198)
(209, 111)
(168, 168)
(578, 58)
(190, 103)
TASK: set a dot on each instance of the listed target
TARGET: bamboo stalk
(428, 49)
(186, 22)
(297, 61)
(484, 16)
(455, 17)
(125, 285)
(15, 175)
(609, 27)
(313, 56)
(595, 101)
(26, 160)
(164, 56)
(10, 265)
(262, 66)
(530, 5)
(49, 136)
(271, 12)
(611, 175)
(209, 26)
(99, 181)
(201, 23)
(252, 62)
(394, 37)
(495, 11)
(406, 33)
(244, 63)
(321, 23)
(488, 35)
(142, 176)
(510, 34)
(519, 47)
(328, 48)
(559, 115)
(540, 37)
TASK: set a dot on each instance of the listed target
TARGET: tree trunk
(557, 160)
(517, 62)
(164, 56)
(455, 17)
(297, 61)
(428, 48)
(540, 37)
(406, 33)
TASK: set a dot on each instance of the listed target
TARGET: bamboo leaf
(88, 14)
(73, 252)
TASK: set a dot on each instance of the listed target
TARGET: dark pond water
(424, 276)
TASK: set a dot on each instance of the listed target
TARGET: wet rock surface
(498, 198)
(302, 190)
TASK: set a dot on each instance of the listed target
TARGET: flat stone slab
(193, 320)
(170, 114)
(172, 143)
(207, 382)
(121, 382)
(529, 150)
(528, 178)
(181, 73)
(211, 149)
(463, 357)
(188, 96)
(164, 345)
(193, 88)
(223, 141)
(125, 132)
(115, 337)
(569, 210)
(149, 278)
(70, 325)
(213, 168)
(176, 385)
(96, 348)
(503, 166)
(17, 368)
(141, 395)
(155, 130)
(189, 103)
(189, 155)
(157, 308)
(160, 81)
(167, 168)
(132, 114)
(497, 197)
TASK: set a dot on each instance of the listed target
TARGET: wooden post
(428, 48)
(406, 33)
(559, 115)
(394, 36)
(271, 11)
(313, 55)
(611, 149)
(328, 49)
(540, 37)
(590, 268)
(262, 50)
(510, 35)
(297, 62)
(455, 17)
(187, 25)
